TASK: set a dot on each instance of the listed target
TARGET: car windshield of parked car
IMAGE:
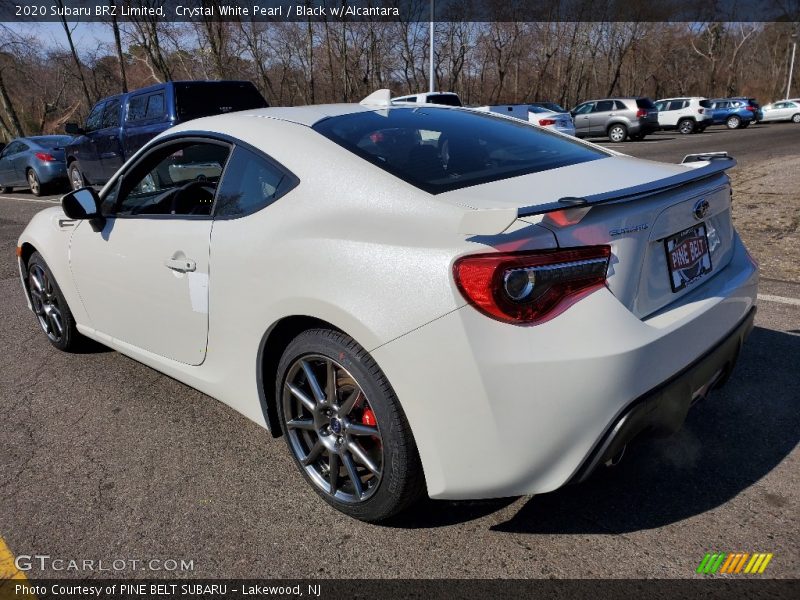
(440, 149)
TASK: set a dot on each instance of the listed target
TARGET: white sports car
(495, 321)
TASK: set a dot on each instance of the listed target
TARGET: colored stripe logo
(734, 563)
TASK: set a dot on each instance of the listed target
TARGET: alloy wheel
(617, 134)
(796, 118)
(33, 183)
(686, 127)
(332, 429)
(45, 303)
(75, 178)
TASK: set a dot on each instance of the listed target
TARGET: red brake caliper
(368, 418)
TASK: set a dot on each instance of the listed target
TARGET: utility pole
(791, 64)
(430, 72)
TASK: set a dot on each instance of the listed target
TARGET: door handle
(182, 265)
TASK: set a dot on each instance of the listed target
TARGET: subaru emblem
(701, 209)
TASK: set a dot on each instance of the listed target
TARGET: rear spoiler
(717, 163)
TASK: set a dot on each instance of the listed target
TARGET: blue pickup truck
(119, 125)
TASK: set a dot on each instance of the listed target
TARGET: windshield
(552, 106)
(51, 141)
(440, 149)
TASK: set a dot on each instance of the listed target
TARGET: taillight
(641, 113)
(751, 108)
(528, 288)
(544, 122)
(44, 156)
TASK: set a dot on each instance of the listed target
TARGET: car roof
(301, 115)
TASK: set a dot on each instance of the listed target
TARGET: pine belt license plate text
(688, 258)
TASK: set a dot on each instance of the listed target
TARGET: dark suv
(118, 126)
(616, 118)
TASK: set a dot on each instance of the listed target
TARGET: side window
(95, 118)
(619, 105)
(179, 178)
(661, 106)
(584, 109)
(111, 114)
(250, 184)
(12, 148)
(137, 108)
(604, 106)
(155, 106)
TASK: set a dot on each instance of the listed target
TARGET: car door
(598, 118)
(20, 161)
(783, 111)
(88, 152)
(144, 277)
(108, 141)
(8, 177)
(581, 117)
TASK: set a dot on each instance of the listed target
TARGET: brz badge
(701, 209)
(623, 230)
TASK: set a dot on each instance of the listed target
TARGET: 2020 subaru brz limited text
(418, 299)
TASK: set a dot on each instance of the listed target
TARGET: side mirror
(73, 129)
(84, 204)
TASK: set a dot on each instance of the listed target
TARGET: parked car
(734, 112)
(686, 115)
(543, 332)
(35, 162)
(442, 98)
(118, 126)
(552, 116)
(783, 110)
(617, 118)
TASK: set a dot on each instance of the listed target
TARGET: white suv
(687, 115)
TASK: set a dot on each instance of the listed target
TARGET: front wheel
(733, 122)
(50, 307)
(345, 428)
(796, 118)
(76, 179)
(617, 133)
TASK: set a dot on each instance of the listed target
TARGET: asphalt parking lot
(104, 458)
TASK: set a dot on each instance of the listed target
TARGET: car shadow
(730, 441)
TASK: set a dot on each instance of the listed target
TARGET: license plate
(688, 258)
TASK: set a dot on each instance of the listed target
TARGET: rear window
(52, 141)
(439, 149)
(445, 99)
(202, 99)
(552, 106)
(644, 103)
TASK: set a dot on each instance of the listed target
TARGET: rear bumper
(663, 409)
(498, 410)
(644, 127)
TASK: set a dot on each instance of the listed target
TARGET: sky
(85, 36)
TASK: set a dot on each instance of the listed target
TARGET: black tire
(67, 339)
(36, 187)
(796, 118)
(6, 189)
(686, 126)
(637, 137)
(617, 133)
(401, 481)
(733, 122)
(746, 124)
(75, 176)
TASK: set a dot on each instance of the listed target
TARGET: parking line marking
(30, 200)
(779, 299)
